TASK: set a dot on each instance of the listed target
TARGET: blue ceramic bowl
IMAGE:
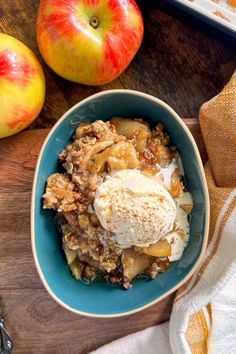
(100, 299)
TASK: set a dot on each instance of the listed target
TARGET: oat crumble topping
(96, 150)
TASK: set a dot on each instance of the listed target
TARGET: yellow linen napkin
(203, 318)
(215, 279)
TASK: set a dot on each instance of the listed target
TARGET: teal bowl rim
(204, 187)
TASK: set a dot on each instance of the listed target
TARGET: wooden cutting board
(36, 322)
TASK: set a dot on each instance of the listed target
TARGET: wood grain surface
(182, 60)
(37, 323)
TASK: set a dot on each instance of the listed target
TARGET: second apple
(89, 41)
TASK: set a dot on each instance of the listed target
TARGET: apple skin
(77, 50)
(22, 86)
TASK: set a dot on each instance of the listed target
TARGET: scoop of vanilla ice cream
(178, 238)
(136, 208)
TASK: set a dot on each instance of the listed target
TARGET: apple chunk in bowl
(99, 298)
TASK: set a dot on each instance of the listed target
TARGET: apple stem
(94, 22)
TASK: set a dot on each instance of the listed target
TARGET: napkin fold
(203, 318)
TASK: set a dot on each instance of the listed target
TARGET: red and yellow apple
(22, 86)
(89, 41)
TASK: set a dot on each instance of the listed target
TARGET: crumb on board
(219, 14)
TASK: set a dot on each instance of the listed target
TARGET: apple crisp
(97, 150)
